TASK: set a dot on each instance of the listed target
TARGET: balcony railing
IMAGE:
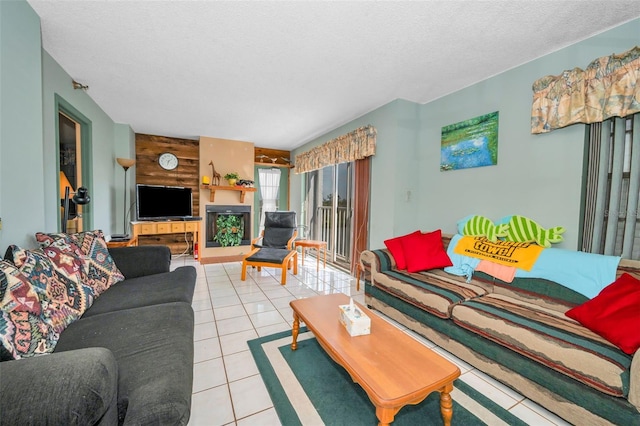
(342, 244)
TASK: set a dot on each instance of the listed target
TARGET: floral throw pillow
(19, 295)
(26, 328)
(102, 270)
(56, 278)
(24, 334)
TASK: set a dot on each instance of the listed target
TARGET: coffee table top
(391, 366)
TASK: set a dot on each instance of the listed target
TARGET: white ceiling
(280, 73)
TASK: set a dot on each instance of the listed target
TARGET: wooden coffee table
(393, 368)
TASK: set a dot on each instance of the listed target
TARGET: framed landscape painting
(470, 143)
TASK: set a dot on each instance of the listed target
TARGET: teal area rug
(308, 388)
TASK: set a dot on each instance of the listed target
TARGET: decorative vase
(205, 180)
(232, 182)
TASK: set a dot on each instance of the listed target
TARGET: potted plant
(232, 178)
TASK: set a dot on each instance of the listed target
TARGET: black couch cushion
(141, 260)
(269, 255)
(153, 346)
(79, 388)
(174, 286)
(278, 229)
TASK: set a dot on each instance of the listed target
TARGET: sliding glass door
(329, 210)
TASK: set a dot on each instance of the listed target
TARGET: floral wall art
(470, 143)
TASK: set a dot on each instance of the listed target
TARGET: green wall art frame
(470, 143)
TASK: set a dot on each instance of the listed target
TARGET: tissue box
(356, 321)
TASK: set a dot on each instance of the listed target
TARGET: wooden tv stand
(166, 227)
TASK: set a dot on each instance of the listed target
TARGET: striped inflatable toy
(480, 226)
(525, 230)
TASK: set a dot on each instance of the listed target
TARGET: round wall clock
(168, 161)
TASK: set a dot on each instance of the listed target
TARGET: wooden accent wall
(148, 171)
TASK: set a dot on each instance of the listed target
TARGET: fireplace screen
(228, 226)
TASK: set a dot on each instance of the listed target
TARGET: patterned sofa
(515, 332)
(127, 360)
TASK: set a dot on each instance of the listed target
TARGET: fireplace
(235, 225)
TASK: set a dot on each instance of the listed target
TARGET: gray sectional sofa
(515, 332)
(127, 360)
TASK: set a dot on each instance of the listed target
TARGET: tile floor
(227, 388)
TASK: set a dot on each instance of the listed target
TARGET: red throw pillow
(425, 251)
(614, 313)
(394, 245)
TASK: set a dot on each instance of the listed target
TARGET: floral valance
(609, 87)
(353, 146)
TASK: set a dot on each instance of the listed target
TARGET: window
(612, 188)
(269, 192)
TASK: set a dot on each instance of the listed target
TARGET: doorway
(73, 136)
(329, 199)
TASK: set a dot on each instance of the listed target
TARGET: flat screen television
(155, 202)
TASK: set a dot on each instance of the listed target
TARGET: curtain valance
(353, 146)
(609, 87)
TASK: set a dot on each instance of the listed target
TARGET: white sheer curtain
(269, 180)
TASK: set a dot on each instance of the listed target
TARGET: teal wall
(537, 175)
(32, 84)
(124, 146)
(22, 183)
(391, 172)
(108, 140)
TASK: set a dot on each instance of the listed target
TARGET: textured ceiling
(282, 73)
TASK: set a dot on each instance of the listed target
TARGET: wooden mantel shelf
(212, 190)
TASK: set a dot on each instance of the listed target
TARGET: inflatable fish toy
(480, 226)
(525, 230)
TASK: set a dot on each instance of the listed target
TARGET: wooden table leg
(325, 256)
(385, 415)
(446, 404)
(302, 255)
(295, 331)
(318, 259)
